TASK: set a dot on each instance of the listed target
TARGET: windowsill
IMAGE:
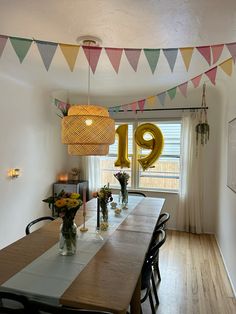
(146, 191)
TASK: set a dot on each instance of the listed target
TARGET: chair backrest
(43, 308)
(158, 240)
(162, 220)
(137, 193)
(27, 229)
(13, 303)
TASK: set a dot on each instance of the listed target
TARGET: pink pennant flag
(92, 54)
(232, 50)
(183, 88)
(211, 74)
(3, 41)
(141, 104)
(132, 56)
(205, 51)
(216, 52)
(134, 106)
(114, 55)
(196, 80)
(125, 108)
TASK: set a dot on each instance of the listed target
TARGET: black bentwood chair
(156, 239)
(27, 229)
(137, 193)
(162, 220)
(13, 303)
(44, 308)
(147, 277)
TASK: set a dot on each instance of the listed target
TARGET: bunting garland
(47, 50)
(226, 66)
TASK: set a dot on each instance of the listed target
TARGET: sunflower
(60, 203)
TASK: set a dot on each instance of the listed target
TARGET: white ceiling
(123, 23)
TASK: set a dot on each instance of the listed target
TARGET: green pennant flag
(21, 46)
(152, 56)
(172, 92)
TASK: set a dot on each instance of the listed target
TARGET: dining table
(105, 271)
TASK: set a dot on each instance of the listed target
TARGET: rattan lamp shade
(88, 150)
(88, 130)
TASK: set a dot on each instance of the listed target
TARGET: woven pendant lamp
(88, 130)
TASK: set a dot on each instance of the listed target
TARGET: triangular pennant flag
(114, 55)
(211, 74)
(117, 109)
(141, 104)
(70, 53)
(134, 106)
(21, 46)
(132, 56)
(183, 88)
(3, 41)
(152, 56)
(232, 50)
(171, 55)
(150, 101)
(92, 54)
(205, 51)
(162, 97)
(172, 92)
(227, 66)
(47, 51)
(216, 52)
(125, 108)
(56, 102)
(187, 55)
(196, 80)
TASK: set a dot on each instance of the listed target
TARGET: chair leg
(154, 289)
(151, 302)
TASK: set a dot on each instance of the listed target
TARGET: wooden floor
(194, 280)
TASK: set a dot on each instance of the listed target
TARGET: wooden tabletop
(111, 280)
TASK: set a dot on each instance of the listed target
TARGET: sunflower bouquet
(66, 206)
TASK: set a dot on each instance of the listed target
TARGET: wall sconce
(13, 173)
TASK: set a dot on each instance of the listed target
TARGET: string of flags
(47, 50)
(226, 66)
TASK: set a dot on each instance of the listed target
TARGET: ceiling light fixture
(88, 129)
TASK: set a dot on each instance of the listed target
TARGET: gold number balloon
(156, 144)
(122, 158)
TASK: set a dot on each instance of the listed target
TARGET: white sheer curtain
(90, 168)
(191, 189)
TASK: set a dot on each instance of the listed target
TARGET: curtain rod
(159, 109)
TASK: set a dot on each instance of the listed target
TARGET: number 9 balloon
(156, 144)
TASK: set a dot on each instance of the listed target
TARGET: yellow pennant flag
(186, 55)
(227, 66)
(150, 101)
(70, 53)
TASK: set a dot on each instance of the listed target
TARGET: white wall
(226, 209)
(29, 140)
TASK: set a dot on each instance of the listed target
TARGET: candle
(98, 213)
(84, 200)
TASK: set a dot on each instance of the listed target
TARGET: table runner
(48, 276)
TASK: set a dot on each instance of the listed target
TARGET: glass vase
(123, 197)
(68, 238)
(104, 221)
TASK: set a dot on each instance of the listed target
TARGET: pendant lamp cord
(89, 76)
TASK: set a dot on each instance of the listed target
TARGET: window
(164, 175)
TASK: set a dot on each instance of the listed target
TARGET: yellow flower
(73, 203)
(67, 201)
(74, 195)
(60, 203)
